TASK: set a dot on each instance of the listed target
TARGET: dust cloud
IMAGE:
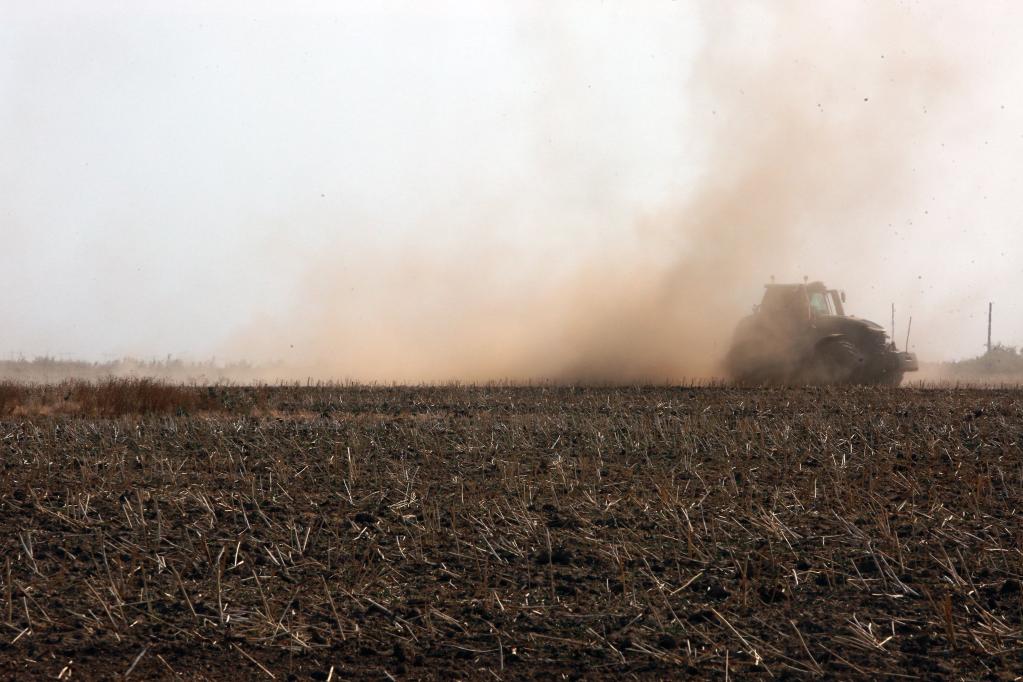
(808, 123)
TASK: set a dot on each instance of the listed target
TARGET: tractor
(800, 334)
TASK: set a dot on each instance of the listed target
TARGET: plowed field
(505, 532)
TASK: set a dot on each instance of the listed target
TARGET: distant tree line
(1000, 360)
(46, 369)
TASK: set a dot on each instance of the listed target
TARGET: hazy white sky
(174, 172)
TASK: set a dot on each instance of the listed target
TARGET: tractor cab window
(820, 303)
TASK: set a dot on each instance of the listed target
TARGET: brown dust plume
(808, 127)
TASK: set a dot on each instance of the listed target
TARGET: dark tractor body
(800, 334)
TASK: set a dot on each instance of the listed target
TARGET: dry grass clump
(114, 397)
(11, 395)
(123, 396)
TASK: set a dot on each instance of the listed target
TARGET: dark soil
(337, 532)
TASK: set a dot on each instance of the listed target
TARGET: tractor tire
(892, 379)
(881, 371)
(838, 362)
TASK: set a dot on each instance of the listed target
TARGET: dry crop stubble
(333, 531)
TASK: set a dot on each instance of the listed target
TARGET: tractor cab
(802, 302)
(825, 301)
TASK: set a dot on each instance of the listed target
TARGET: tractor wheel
(838, 362)
(893, 379)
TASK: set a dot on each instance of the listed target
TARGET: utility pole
(893, 323)
(989, 307)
